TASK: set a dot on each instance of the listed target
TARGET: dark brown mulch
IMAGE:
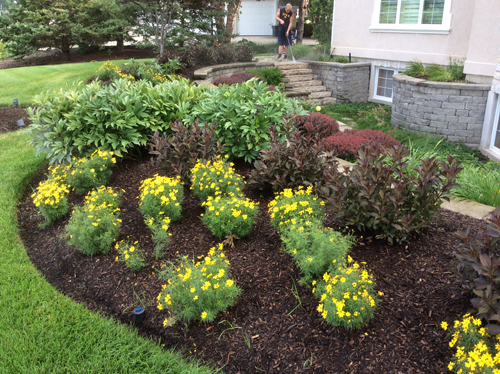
(404, 337)
(9, 116)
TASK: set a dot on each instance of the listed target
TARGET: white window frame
(419, 28)
(375, 84)
(496, 125)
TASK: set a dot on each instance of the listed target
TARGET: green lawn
(24, 83)
(42, 331)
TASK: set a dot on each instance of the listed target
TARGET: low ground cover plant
(293, 159)
(295, 206)
(230, 215)
(197, 290)
(245, 113)
(51, 195)
(315, 249)
(161, 197)
(131, 254)
(217, 178)
(476, 350)
(91, 172)
(186, 144)
(93, 227)
(379, 195)
(347, 296)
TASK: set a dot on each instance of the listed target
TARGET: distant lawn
(24, 83)
(43, 331)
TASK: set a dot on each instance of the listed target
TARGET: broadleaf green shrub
(243, 114)
(380, 195)
(198, 290)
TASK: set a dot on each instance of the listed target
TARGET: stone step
(296, 93)
(307, 83)
(325, 100)
(319, 95)
(291, 72)
(299, 78)
(307, 88)
(290, 66)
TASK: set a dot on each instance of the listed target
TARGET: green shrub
(116, 117)
(161, 237)
(272, 76)
(346, 296)
(184, 147)
(379, 194)
(131, 254)
(315, 249)
(245, 113)
(198, 290)
(231, 215)
(161, 197)
(94, 227)
(293, 207)
(216, 178)
(297, 160)
(86, 174)
(304, 51)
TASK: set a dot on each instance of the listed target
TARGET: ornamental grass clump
(198, 290)
(476, 350)
(293, 206)
(131, 254)
(231, 215)
(94, 227)
(91, 172)
(51, 200)
(315, 249)
(346, 296)
(161, 197)
(215, 178)
(161, 236)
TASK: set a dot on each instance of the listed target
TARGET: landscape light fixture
(20, 122)
(15, 102)
(139, 316)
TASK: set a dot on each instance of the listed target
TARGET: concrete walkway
(270, 39)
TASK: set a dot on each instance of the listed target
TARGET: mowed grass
(42, 331)
(24, 83)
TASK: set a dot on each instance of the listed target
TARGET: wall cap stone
(339, 64)
(204, 73)
(401, 78)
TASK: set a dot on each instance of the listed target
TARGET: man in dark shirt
(285, 17)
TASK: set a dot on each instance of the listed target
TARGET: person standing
(285, 17)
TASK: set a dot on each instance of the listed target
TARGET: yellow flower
(229, 283)
(444, 326)
(318, 108)
(203, 315)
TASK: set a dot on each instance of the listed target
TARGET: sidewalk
(270, 39)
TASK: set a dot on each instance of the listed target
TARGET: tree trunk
(300, 21)
(232, 12)
(119, 43)
(219, 21)
(66, 49)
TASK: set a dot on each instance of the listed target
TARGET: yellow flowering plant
(300, 204)
(161, 197)
(108, 71)
(91, 172)
(161, 237)
(51, 200)
(131, 254)
(213, 178)
(315, 249)
(476, 350)
(231, 215)
(94, 226)
(346, 296)
(197, 290)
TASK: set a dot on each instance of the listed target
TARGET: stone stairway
(301, 82)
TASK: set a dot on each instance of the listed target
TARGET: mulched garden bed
(9, 116)
(404, 337)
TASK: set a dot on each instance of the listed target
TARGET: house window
(412, 16)
(383, 89)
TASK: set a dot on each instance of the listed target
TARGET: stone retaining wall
(453, 111)
(349, 83)
(210, 73)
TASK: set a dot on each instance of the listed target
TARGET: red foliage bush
(346, 144)
(316, 123)
(235, 78)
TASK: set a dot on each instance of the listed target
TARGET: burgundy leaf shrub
(316, 123)
(235, 79)
(346, 144)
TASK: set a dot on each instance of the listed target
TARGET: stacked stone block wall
(453, 111)
(211, 73)
(349, 83)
